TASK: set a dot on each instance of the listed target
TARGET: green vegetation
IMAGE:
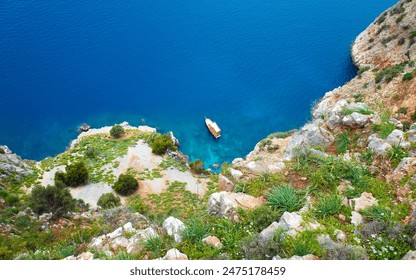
(361, 110)
(328, 205)
(197, 167)
(407, 77)
(389, 73)
(173, 162)
(126, 185)
(137, 204)
(285, 198)
(402, 110)
(51, 199)
(76, 174)
(343, 142)
(161, 143)
(108, 200)
(195, 230)
(260, 184)
(117, 131)
(363, 69)
(385, 127)
(396, 154)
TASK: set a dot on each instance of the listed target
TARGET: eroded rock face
(290, 222)
(12, 165)
(226, 203)
(173, 228)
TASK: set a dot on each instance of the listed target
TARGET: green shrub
(197, 166)
(378, 213)
(59, 177)
(161, 143)
(12, 200)
(91, 152)
(137, 204)
(406, 125)
(117, 131)
(285, 198)
(407, 77)
(51, 199)
(388, 73)
(413, 116)
(260, 184)
(126, 185)
(108, 200)
(402, 110)
(401, 41)
(328, 205)
(195, 230)
(2, 152)
(367, 155)
(76, 174)
(259, 218)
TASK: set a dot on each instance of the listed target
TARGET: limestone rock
(326, 242)
(175, 141)
(118, 232)
(175, 254)
(225, 203)
(290, 221)
(411, 135)
(355, 120)
(212, 240)
(396, 138)
(118, 242)
(379, 146)
(86, 256)
(145, 128)
(134, 248)
(128, 227)
(411, 255)
(237, 174)
(356, 218)
(237, 161)
(341, 236)
(268, 232)
(225, 184)
(174, 227)
(365, 201)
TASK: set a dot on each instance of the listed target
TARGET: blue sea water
(255, 67)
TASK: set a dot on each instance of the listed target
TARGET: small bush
(413, 116)
(59, 177)
(285, 198)
(407, 77)
(197, 166)
(378, 213)
(388, 73)
(91, 152)
(126, 185)
(76, 174)
(161, 143)
(12, 200)
(108, 200)
(328, 205)
(51, 199)
(2, 151)
(259, 218)
(401, 41)
(117, 131)
(402, 110)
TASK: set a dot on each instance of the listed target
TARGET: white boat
(213, 128)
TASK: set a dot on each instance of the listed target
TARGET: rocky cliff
(343, 186)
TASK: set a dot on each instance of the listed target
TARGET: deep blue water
(253, 66)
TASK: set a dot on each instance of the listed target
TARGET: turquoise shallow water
(255, 67)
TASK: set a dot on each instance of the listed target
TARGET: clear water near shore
(255, 67)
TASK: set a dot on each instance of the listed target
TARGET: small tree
(126, 185)
(161, 144)
(117, 131)
(197, 166)
(76, 174)
(57, 201)
(60, 177)
(108, 200)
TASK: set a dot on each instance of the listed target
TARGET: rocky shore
(343, 186)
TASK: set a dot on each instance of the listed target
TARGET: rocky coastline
(343, 186)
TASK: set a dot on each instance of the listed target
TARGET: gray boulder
(356, 120)
(411, 255)
(225, 184)
(396, 138)
(173, 228)
(226, 203)
(379, 146)
(237, 174)
(411, 135)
